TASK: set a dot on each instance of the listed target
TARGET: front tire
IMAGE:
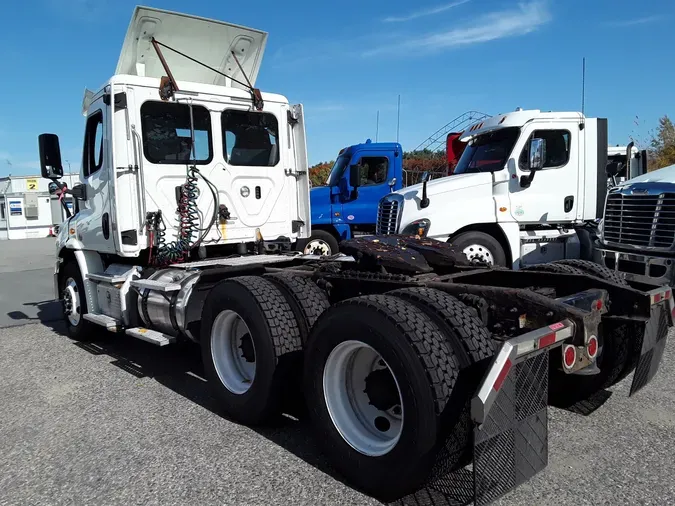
(74, 301)
(250, 347)
(379, 375)
(480, 247)
(320, 243)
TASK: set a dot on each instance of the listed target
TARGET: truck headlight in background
(417, 227)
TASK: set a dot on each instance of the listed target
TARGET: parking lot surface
(119, 421)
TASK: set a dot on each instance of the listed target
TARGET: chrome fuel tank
(171, 312)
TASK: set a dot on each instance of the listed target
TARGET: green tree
(662, 152)
(318, 174)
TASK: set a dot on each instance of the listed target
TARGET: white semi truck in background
(498, 209)
(412, 360)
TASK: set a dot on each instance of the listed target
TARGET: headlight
(417, 227)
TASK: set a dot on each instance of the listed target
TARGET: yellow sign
(32, 184)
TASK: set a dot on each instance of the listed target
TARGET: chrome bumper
(649, 269)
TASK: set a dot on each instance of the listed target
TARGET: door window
(166, 133)
(557, 149)
(92, 156)
(373, 170)
(250, 138)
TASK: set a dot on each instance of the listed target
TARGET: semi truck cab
(525, 184)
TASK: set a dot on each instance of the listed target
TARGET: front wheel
(320, 243)
(480, 248)
(74, 301)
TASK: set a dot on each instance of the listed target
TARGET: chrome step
(106, 278)
(151, 336)
(151, 284)
(104, 321)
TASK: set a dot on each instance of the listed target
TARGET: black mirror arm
(425, 200)
(526, 181)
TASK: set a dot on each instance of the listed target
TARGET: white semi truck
(411, 360)
(498, 208)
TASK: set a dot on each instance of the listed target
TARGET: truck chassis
(413, 362)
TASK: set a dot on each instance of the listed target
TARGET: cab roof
(517, 118)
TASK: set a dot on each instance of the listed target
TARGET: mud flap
(653, 345)
(511, 446)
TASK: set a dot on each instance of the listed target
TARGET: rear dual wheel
(381, 378)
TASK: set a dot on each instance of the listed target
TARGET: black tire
(276, 340)
(84, 330)
(553, 267)
(482, 240)
(320, 235)
(473, 346)
(597, 270)
(306, 299)
(467, 335)
(426, 370)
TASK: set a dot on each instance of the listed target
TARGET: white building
(26, 208)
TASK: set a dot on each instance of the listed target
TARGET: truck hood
(454, 202)
(664, 175)
(447, 184)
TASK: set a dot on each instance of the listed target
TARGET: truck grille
(640, 220)
(387, 216)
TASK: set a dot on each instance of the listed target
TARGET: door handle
(569, 203)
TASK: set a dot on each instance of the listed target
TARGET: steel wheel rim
(317, 245)
(358, 421)
(72, 303)
(233, 352)
(479, 253)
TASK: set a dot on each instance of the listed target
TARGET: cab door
(553, 193)
(95, 220)
(376, 168)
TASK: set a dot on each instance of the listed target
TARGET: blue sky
(347, 60)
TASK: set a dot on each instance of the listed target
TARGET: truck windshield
(488, 152)
(338, 169)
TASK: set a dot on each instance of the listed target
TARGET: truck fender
(88, 262)
(512, 234)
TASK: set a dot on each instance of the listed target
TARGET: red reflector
(598, 305)
(592, 347)
(667, 295)
(570, 356)
(547, 340)
(657, 298)
(556, 326)
(502, 375)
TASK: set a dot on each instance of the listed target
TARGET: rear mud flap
(653, 346)
(511, 446)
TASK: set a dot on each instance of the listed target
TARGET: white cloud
(634, 22)
(526, 18)
(424, 12)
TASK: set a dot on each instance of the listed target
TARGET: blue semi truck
(342, 209)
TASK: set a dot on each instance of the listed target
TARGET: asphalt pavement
(119, 421)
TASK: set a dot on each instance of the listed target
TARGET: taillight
(569, 356)
(592, 347)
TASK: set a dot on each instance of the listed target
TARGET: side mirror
(392, 183)
(53, 188)
(536, 160)
(50, 156)
(425, 176)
